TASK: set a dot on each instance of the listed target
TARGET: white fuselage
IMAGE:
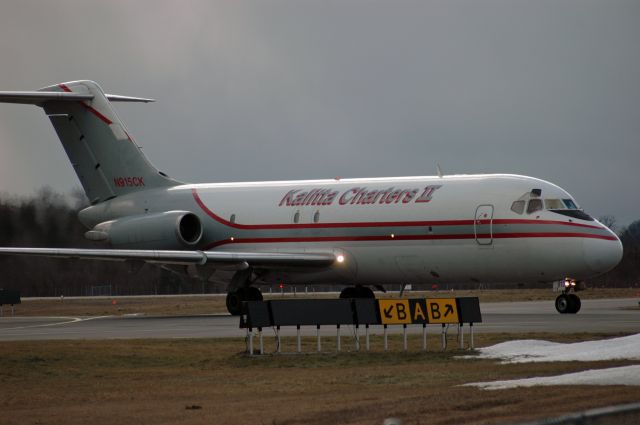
(413, 230)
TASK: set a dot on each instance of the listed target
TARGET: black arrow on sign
(448, 309)
(387, 312)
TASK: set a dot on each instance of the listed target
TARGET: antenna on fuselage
(439, 170)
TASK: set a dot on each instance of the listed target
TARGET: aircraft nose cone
(602, 255)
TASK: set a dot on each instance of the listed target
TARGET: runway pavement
(614, 315)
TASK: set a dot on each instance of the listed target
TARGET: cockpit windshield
(530, 203)
(554, 204)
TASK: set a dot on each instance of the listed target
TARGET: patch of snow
(627, 375)
(523, 351)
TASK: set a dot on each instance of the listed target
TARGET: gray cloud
(261, 90)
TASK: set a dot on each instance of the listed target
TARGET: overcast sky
(269, 90)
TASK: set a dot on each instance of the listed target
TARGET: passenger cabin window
(316, 217)
(518, 207)
(232, 218)
(534, 205)
(296, 217)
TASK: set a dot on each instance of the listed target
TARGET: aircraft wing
(232, 259)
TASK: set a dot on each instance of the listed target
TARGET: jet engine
(165, 230)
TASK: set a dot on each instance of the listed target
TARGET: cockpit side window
(518, 207)
(534, 205)
(570, 204)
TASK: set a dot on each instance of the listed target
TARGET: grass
(213, 381)
(208, 304)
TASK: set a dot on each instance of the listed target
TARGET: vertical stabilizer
(104, 156)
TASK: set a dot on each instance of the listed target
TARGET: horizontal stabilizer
(40, 97)
(118, 98)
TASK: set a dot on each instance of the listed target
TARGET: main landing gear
(568, 302)
(357, 291)
(240, 290)
(235, 298)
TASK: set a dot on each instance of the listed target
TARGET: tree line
(49, 219)
(627, 272)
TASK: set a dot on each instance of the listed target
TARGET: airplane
(361, 233)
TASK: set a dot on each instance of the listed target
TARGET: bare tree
(609, 221)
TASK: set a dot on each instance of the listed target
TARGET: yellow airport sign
(394, 312)
(442, 310)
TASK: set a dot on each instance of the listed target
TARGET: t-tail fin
(106, 159)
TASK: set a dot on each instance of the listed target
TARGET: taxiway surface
(611, 315)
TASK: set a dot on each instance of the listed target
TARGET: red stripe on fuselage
(356, 224)
(404, 238)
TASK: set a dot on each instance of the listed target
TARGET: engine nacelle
(166, 230)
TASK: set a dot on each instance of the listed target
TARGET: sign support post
(366, 333)
(404, 337)
(424, 337)
(386, 344)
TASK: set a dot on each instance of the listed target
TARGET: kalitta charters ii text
(357, 196)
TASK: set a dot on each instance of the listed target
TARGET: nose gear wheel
(568, 304)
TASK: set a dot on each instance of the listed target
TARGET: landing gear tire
(235, 299)
(568, 304)
(251, 294)
(575, 303)
(234, 303)
(357, 292)
(347, 293)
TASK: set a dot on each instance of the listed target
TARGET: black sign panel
(469, 310)
(257, 314)
(366, 311)
(418, 310)
(8, 296)
(311, 312)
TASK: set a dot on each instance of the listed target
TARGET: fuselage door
(483, 224)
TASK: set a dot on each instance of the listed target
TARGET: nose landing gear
(568, 302)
